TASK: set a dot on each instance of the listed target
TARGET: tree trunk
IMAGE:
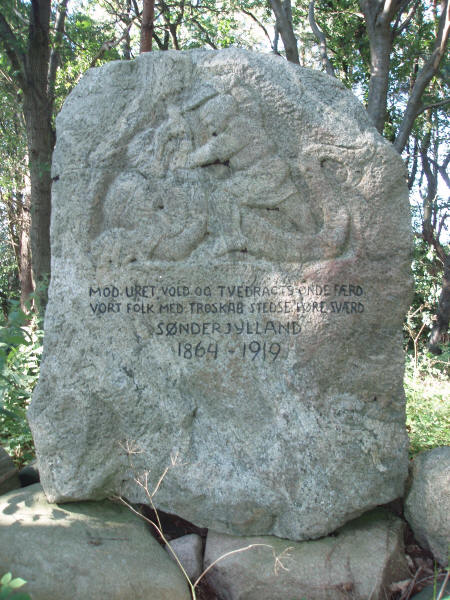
(40, 145)
(441, 323)
(37, 111)
(24, 252)
(284, 26)
(378, 22)
(148, 13)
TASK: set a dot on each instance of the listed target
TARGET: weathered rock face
(427, 505)
(231, 244)
(359, 562)
(83, 550)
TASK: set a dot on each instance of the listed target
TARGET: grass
(427, 388)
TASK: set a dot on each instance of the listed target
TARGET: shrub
(427, 388)
(20, 353)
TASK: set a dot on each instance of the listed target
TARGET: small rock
(427, 506)
(359, 562)
(29, 474)
(189, 550)
(9, 479)
(83, 550)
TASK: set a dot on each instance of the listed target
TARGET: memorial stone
(230, 271)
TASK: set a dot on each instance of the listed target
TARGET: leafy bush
(427, 388)
(9, 586)
(20, 353)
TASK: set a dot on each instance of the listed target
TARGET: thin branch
(433, 105)
(441, 225)
(444, 585)
(238, 551)
(159, 531)
(322, 41)
(137, 11)
(206, 34)
(399, 28)
(252, 16)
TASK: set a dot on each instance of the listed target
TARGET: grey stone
(358, 563)
(427, 505)
(83, 550)
(29, 475)
(189, 550)
(231, 267)
(9, 477)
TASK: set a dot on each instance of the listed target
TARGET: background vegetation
(390, 53)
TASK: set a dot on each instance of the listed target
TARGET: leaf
(17, 583)
(6, 579)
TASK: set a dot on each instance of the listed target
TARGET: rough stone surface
(359, 562)
(230, 246)
(427, 505)
(9, 477)
(189, 550)
(83, 550)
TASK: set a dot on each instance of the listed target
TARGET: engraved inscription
(201, 318)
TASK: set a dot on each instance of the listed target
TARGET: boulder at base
(230, 272)
(83, 550)
(427, 505)
(358, 562)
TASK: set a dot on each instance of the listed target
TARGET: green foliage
(427, 275)
(9, 587)
(427, 388)
(82, 43)
(9, 281)
(20, 353)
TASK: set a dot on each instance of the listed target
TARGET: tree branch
(284, 26)
(55, 55)
(413, 170)
(433, 105)
(12, 49)
(321, 39)
(424, 77)
(205, 33)
(398, 29)
(387, 12)
(108, 45)
(440, 326)
(252, 16)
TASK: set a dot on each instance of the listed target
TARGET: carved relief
(208, 179)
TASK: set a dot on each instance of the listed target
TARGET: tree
(44, 54)
(33, 63)
(394, 51)
(14, 197)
